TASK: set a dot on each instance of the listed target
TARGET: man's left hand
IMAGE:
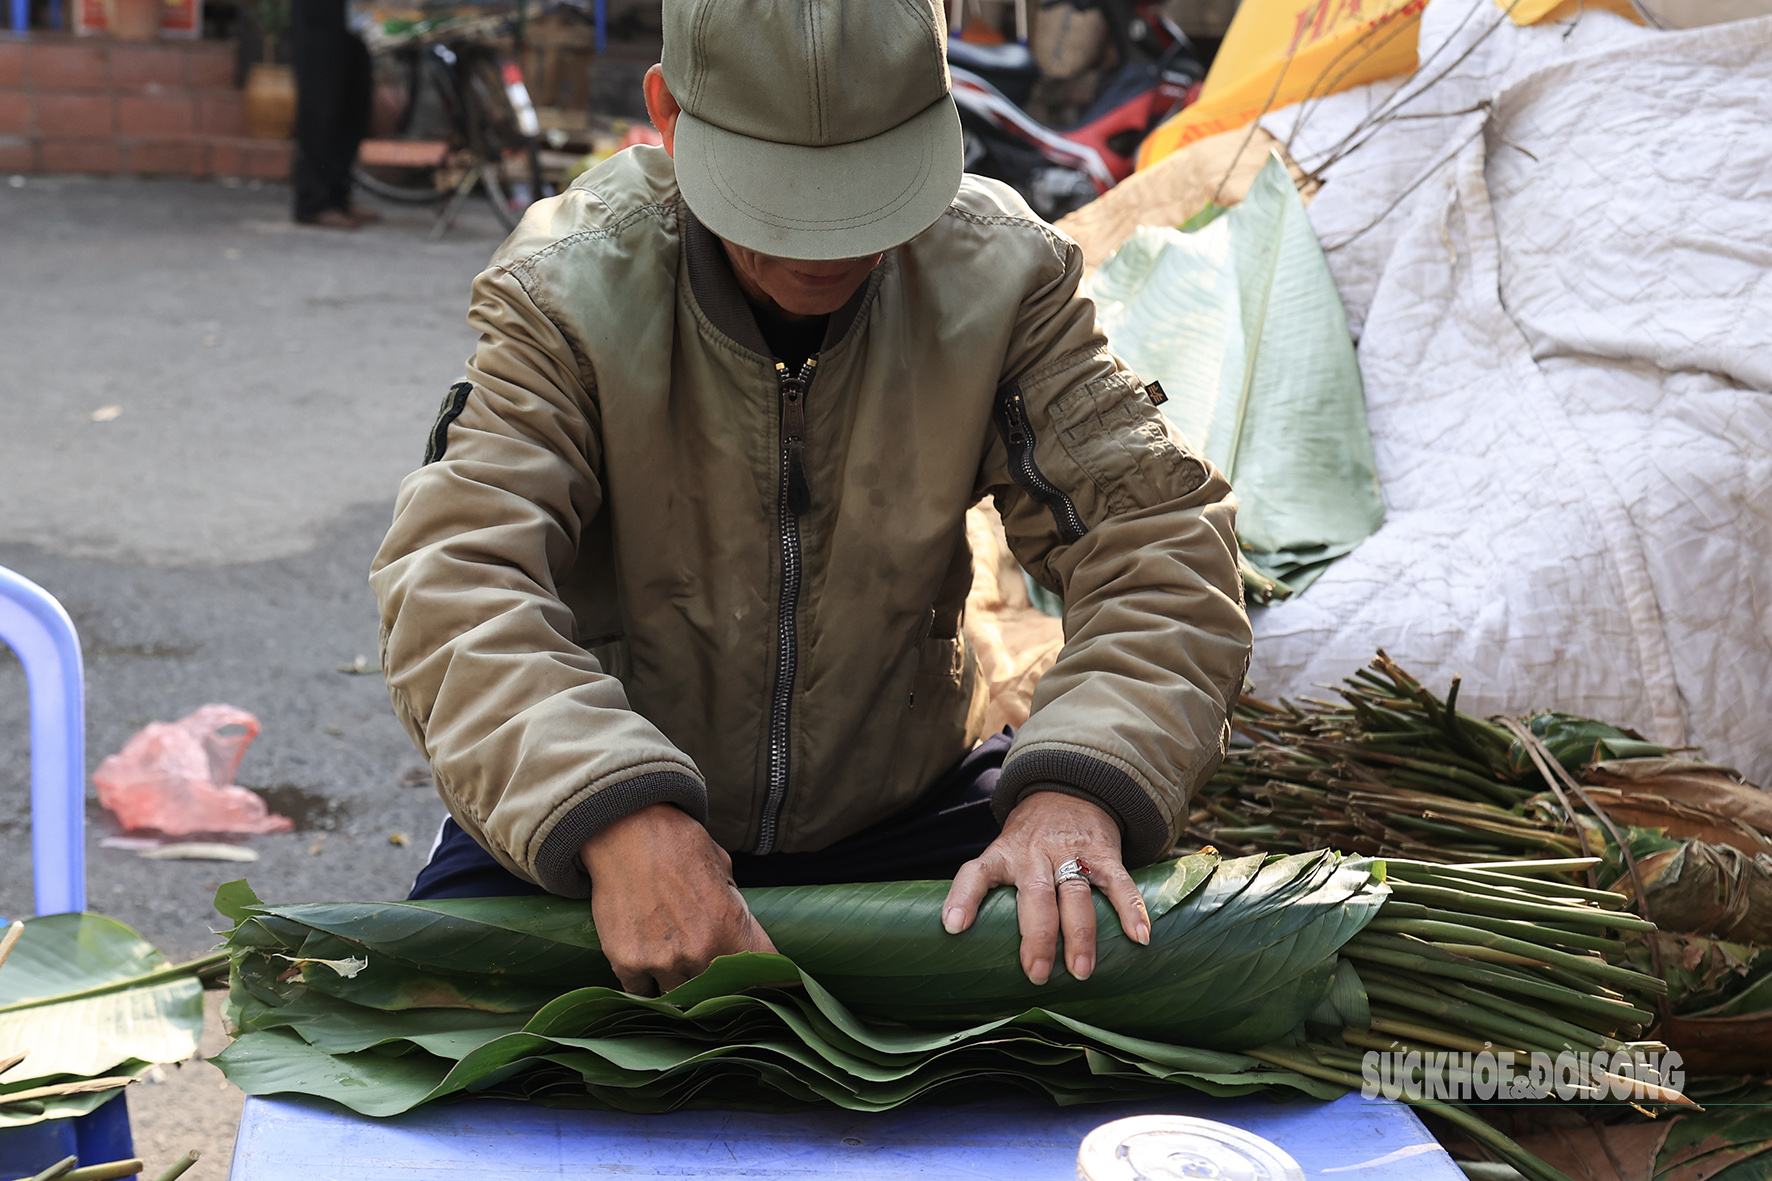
(1043, 832)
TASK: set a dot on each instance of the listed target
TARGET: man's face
(799, 287)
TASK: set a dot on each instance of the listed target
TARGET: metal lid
(1180, 1148)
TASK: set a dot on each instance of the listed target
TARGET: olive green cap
(813, 129)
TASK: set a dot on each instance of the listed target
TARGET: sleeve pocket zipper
(1011, 416)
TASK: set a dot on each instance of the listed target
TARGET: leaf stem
(1477, 1128)
(1491, 1137)
(1499, 907)
(1396, 952)
(158, 975)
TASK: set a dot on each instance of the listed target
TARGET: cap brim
(843, 201)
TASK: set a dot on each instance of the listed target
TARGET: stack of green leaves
(87, 1006)
(1263, 973)
(382, 1006)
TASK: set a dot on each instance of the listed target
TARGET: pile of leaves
(382, 1006)
(1263, 973)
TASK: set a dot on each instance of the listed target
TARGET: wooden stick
(11, 938)
(105, 1172)
(82, 1087)
(178, 1167)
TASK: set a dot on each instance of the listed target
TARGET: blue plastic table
(1014, 1140)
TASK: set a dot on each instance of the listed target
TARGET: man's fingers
(968, 890)
(1036, 912)
(1111, 878)
(1076, 909)
(636, 981)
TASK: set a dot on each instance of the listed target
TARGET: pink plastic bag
(178, 776)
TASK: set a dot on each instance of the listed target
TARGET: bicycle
(460, 116)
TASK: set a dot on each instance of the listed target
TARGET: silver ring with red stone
(1074, 870)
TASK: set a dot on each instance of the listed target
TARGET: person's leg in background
(320, 44)
(354, 122)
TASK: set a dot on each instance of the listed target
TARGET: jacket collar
(716, 290)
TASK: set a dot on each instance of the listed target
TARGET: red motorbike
(1058, 170)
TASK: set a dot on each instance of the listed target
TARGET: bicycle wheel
(413, 125)
(496, 134)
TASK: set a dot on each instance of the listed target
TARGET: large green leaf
(1241, 322)
(279, 1062)
(1239, 960)
(65, 953)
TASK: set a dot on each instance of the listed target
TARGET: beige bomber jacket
(641, 564)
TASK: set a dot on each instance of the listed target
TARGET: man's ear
(661, 105)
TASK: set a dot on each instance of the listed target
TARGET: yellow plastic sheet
(1278, 52)
(1532, 12)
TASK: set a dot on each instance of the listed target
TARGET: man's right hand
(664, 901)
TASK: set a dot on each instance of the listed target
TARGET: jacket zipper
(794, 501)
(1018, 441)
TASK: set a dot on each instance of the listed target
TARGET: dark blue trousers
(932, 838)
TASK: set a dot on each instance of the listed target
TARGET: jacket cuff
(1144, 834)
(558, 869)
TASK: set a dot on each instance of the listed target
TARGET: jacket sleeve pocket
(1122, 442)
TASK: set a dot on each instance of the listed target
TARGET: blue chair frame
(36, 627)
(21, 15)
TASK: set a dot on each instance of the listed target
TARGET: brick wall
(89, 104)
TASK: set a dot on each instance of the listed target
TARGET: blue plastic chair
(34, 625)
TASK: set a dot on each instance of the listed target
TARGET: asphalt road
(259, 389)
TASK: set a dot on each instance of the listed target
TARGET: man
(676, 601)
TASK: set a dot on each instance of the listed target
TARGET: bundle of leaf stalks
(1392, 770)
(1263, 973)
